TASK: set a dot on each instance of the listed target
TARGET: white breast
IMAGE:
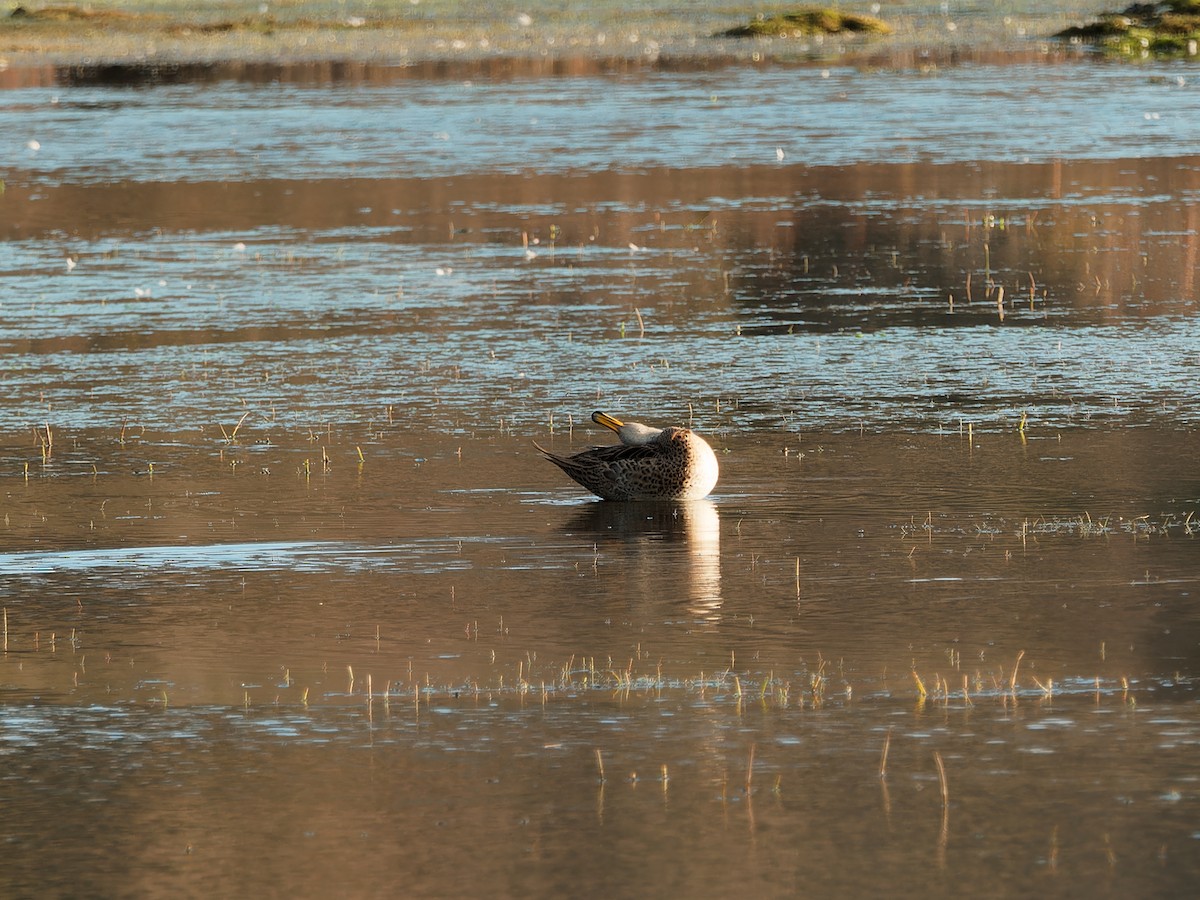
(705, 472)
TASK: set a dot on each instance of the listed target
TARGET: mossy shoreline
(1170, 28)
(401, 32)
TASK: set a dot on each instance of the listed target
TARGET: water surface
(293, 604)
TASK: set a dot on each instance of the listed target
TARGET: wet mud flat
(291, 600)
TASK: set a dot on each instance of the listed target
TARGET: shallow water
(292, 603)
(626, 122)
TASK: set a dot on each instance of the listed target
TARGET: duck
(649, 464)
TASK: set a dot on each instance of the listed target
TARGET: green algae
(809, 20)
(1166, 29)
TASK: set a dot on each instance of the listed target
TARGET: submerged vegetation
(1170, 28)
(809, 20)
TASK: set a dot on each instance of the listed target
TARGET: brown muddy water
(293, 607)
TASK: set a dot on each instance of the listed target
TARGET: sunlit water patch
(491, 375)
(440, 555)
(832, 116)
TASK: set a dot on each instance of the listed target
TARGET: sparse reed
(1012, 681)
(920, 685)
(945, 788)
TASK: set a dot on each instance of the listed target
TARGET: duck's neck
(634, 434)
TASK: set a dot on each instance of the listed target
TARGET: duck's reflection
(648, 525)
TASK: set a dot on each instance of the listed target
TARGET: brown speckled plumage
(648, 464)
